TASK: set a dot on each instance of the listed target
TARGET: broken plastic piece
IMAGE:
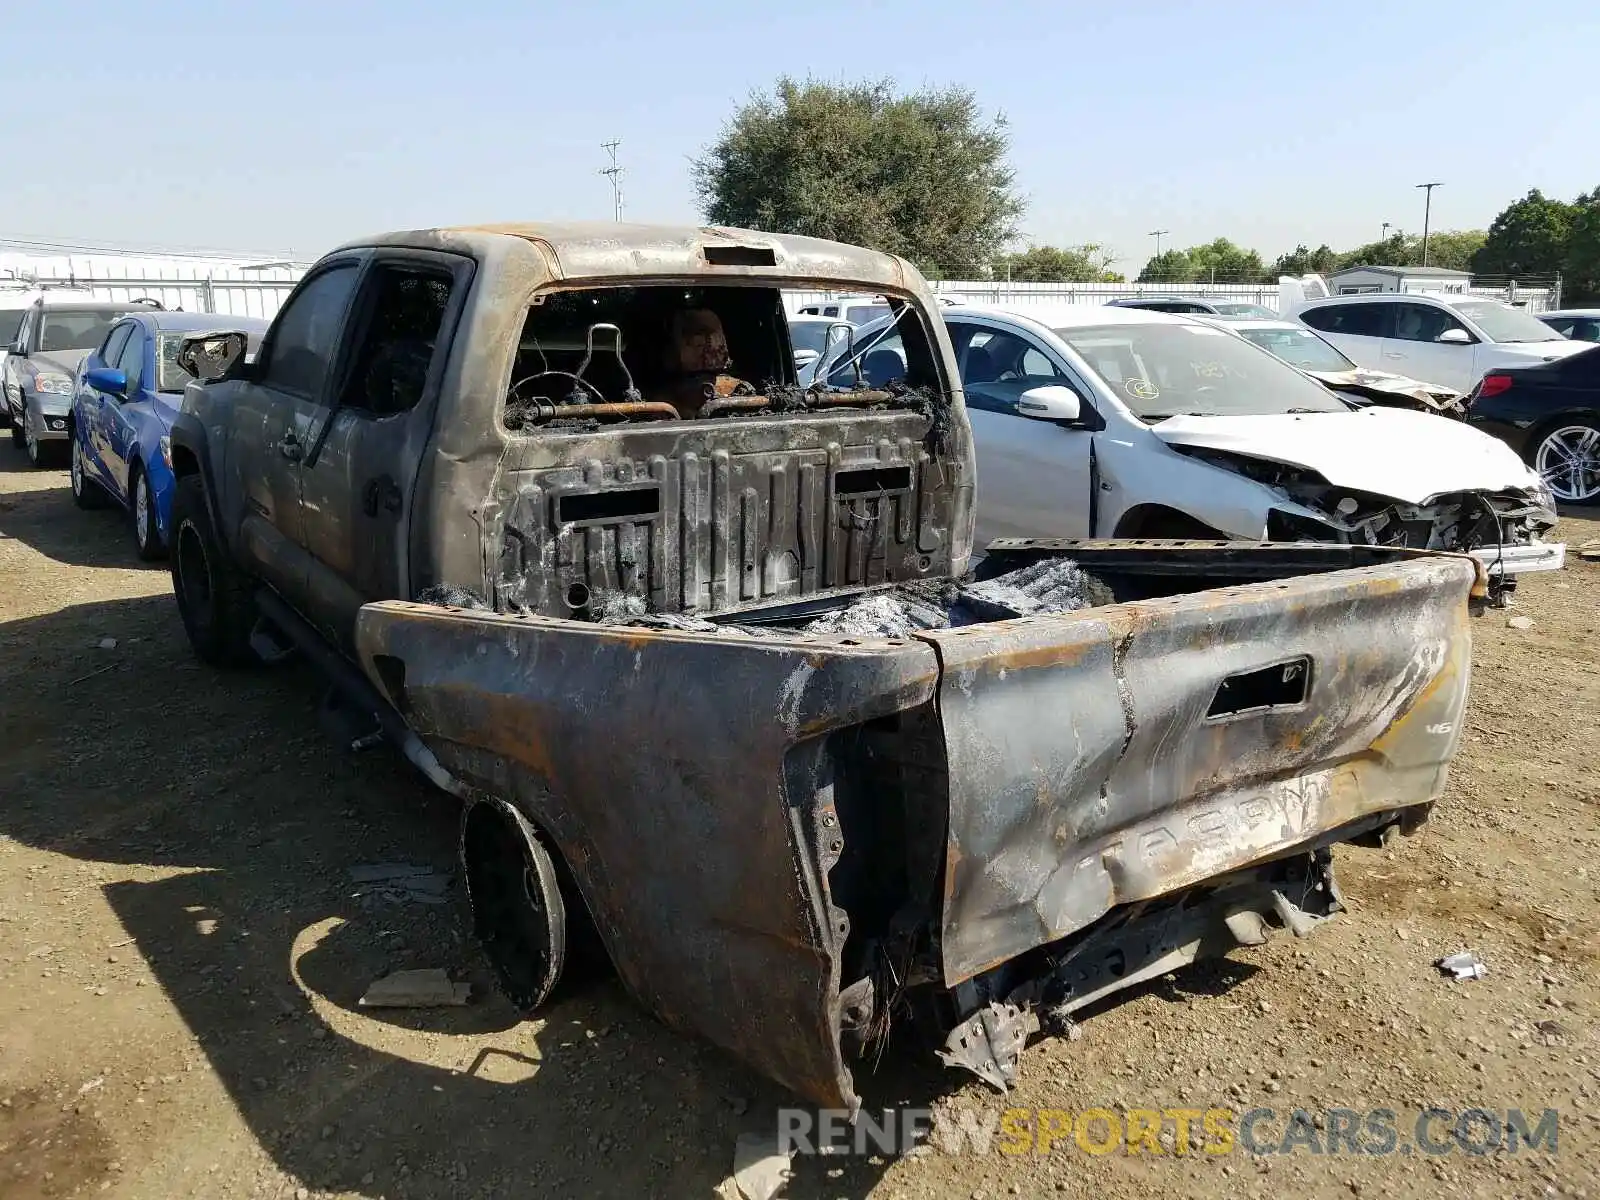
(1465, 965)
(760, 1167)
(427, 988)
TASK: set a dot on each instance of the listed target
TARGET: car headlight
(49, 381)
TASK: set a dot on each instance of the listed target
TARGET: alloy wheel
(141, 509)
(1568, 460)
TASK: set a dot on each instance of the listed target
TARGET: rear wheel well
(1160, 521)
(184, 462)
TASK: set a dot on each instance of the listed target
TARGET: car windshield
(1502, 323)
(1162, 371)
(809, 335)
(1300, 348)
(10, 322)
(1228, 309)
(75, 329)
(170, 377)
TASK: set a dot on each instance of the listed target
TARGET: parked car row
(98, 384)
(1166, 426)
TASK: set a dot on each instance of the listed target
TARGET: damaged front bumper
(793, 843)
(1522, 559)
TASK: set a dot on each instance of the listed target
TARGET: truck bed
(781, 834)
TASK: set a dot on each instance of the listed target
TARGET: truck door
(275, 417)
(358, 487)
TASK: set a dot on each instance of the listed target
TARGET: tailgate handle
(1281, 685)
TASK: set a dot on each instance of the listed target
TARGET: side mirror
(107, 379)
(18, 349)
(215, 355)
(1455, 337)
(1053, 402)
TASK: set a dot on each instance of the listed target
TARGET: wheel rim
(32, 442)
(1568, 460)
(77, 470)
(141, 510)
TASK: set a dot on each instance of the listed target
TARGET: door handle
(1392, 354)
(380, 492)
(290, 447)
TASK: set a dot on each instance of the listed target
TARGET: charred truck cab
(701, 651)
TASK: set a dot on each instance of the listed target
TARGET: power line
(35, 244)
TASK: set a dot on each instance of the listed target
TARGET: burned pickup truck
(702, 653)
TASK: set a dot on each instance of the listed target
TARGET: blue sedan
(127, 393)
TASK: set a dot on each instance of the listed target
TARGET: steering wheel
(577, 381)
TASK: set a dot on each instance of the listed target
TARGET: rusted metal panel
(657, 762)
(1085, 772)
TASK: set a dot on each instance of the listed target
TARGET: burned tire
(518, 913)
(214, 595)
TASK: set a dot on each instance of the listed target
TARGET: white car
(1580, 324)
(1317, 357)
(858, 310)
(1118, 423)
(1449, 340)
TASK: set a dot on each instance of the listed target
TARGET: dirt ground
(182, 948)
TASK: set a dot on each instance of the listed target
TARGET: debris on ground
(402, 881)
(760, 1168)
(1465, 965)
(108, 643)
(1590, 551)
(1519, 623)
(430, 987)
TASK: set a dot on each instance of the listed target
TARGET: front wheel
(146, 531)
(1567, 458)
(86, 492)
(213, 594)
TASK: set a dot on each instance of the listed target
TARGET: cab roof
(616, 250)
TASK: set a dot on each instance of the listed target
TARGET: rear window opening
(593, 356)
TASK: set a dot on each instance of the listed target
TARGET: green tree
(1221, 261)
(1170, 266)
(1301, 261)
(922, 175)
(1089, 263)
(1581, 266)
(1396, 250)
(1452, 248)
(1529, 238)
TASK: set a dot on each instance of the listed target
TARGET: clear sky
(290, 126)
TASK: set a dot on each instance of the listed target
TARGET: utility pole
(1384, 236)
(1158, 234)
(615, 173)
(1427, 211)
